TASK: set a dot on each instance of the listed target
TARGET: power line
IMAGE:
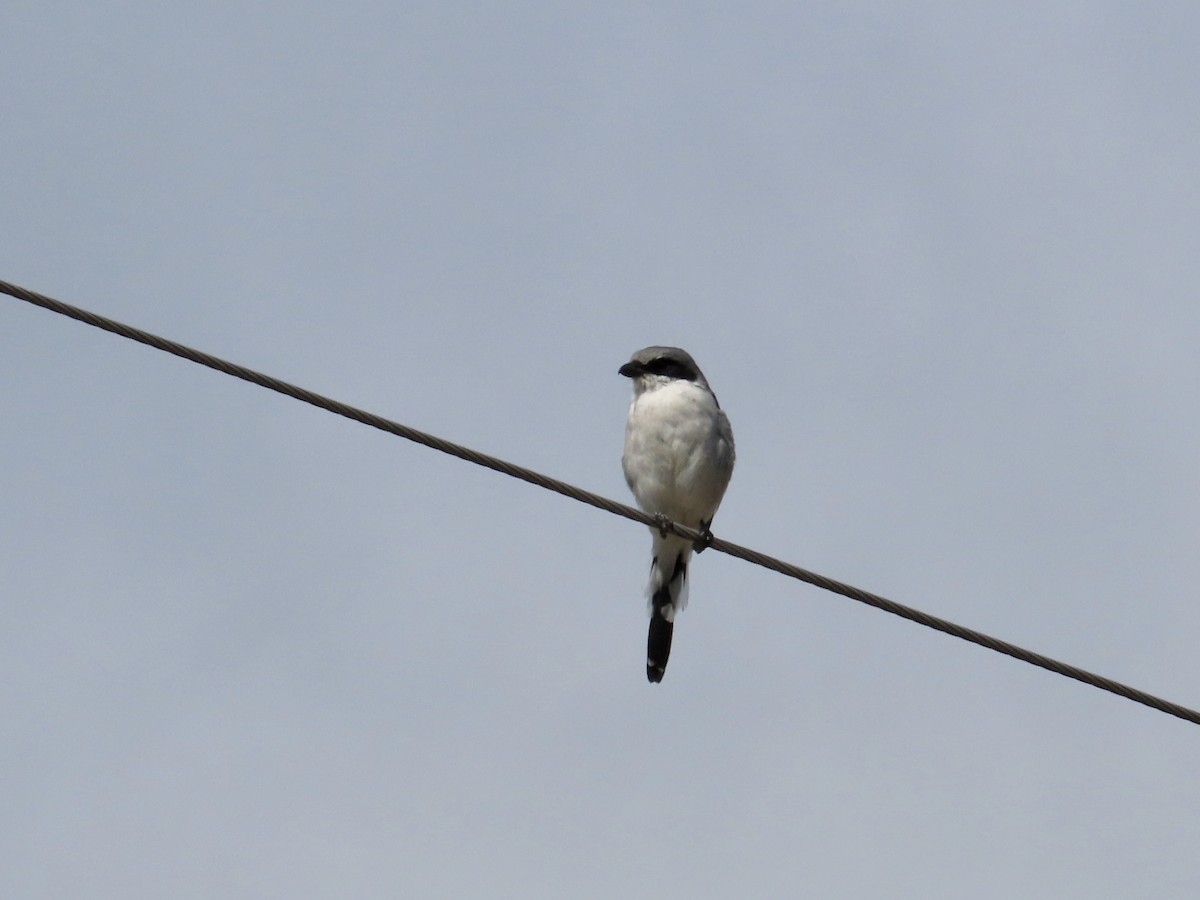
(620, 509)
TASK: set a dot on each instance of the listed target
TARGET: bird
(678, 460)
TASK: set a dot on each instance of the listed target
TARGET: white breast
(678, 452)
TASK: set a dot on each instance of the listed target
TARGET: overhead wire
(561, 487)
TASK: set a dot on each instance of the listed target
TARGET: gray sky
(939, 262)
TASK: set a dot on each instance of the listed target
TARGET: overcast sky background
(939, 262)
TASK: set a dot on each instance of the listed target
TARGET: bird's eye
(670, 368)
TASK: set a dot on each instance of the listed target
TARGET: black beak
(631, 370)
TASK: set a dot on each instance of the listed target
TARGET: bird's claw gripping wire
(663, 524)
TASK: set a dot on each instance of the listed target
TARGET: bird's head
(655, 366)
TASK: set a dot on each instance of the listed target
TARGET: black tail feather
(658, 641)
(658, 647)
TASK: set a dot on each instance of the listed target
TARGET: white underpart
(678, 461)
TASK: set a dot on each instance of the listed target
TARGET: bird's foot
(662, 522)
(706, 539)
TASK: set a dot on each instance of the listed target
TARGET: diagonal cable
(620, 509)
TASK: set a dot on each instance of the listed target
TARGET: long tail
(668, 595)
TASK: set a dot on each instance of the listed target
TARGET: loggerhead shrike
(678, 460)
